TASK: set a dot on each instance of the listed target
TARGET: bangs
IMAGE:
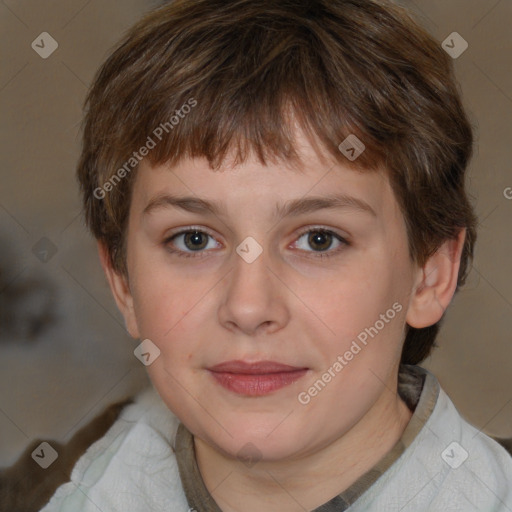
(268, 129)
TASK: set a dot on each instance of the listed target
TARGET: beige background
(52, 386)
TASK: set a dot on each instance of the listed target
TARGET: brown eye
(195, 240)
(190, 243)
(319, 241)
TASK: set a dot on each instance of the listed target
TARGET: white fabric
(422, 481)
(133, 468)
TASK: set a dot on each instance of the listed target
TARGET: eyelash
(316, 254)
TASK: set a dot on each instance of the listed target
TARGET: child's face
(288, 306)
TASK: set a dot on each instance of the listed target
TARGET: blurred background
(64, 351)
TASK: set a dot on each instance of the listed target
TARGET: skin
(289, 306)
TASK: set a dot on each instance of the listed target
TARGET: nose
(254, 298)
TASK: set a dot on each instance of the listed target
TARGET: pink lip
(255, 379)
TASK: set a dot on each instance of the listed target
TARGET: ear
(436, 284)
(120, 290)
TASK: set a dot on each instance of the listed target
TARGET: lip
(255, 379)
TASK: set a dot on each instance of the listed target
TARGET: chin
(250, 441)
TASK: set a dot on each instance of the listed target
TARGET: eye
(188, 242)
(321, 240)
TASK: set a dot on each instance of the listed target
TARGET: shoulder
(26, 485)
(449, 465)
(477, 465)
(461, 466)
(132, 467)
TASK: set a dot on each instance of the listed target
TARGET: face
(277, 297)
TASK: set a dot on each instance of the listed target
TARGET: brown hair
(245, 69)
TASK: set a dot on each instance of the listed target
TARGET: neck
(305, 482)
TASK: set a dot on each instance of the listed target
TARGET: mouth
(255, 379)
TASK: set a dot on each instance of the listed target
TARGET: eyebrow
(292, 208)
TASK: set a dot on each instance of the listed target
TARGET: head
(245, 104)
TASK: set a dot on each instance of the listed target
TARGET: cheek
(171, 309)
(353, 299)
(159, 302)
(365, 309)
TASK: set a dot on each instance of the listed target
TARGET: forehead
(193, 187)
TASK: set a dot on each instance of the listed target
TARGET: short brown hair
(340, 67)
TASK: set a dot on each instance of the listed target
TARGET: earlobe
(120, 290)
(437, 281)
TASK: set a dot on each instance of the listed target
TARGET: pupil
(194, 237)
(320, 239)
